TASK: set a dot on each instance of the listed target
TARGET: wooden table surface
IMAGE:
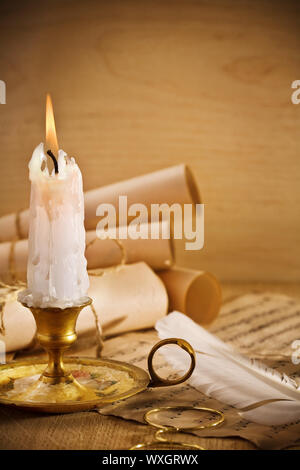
(90, 430)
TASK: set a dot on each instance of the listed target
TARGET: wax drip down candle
(57, 268)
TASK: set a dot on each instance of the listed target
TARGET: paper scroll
(171, 185)
(129, 297)
(19, 326)
(13, 260)
(195, 293)
(126, 298)
(10, 226)
(158, 254)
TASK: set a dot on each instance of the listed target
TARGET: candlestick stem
(56, 332)
(55, 371)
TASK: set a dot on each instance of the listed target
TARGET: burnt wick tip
(54, 160)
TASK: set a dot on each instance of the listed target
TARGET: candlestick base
(74, 384)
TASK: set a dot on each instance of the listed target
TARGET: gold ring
(159, 436)
(156, 380)
(164, 442)
(164, 427)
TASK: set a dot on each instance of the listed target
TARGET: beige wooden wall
(141, 85)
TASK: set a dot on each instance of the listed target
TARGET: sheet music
(262, 325)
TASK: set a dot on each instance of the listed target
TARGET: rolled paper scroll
(10, 226)
(171, 185)
(13, 260)
(157, 253)
(195, 293)
(125, 298)
(18, 326)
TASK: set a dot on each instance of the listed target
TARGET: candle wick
(54, 160)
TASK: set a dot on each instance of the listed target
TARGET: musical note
(261, 325)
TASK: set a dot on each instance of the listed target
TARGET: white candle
(56, 270)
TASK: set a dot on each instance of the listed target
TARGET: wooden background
(141, 85)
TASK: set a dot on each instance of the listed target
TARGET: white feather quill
(261, 394)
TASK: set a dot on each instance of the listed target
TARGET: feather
(260, 393)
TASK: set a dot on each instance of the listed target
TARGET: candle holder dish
(75, 384)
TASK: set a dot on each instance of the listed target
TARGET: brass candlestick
(56, 333)
(75, 384)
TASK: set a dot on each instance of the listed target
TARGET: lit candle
(56, 270)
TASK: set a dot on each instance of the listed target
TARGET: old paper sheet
(260, 324)
(263, 325)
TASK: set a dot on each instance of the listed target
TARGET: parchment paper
(195, 293)
(259, 324)
(175, 184)
(157, 253)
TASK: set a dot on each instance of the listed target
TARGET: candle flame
(51, 138)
